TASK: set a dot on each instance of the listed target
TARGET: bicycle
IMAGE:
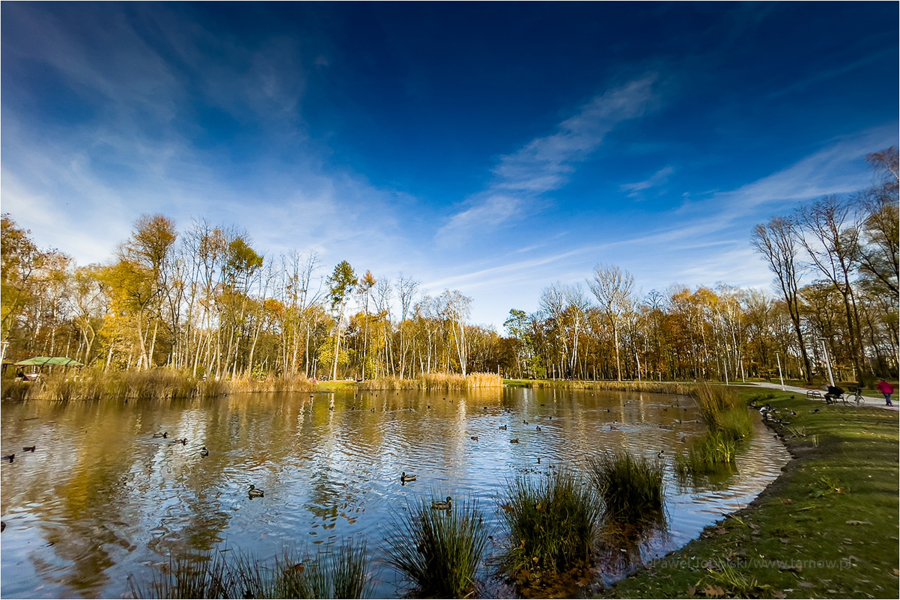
(856, 396)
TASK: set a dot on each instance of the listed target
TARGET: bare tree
(879, 255)
(832, 244)
(613, 288)
(383, 294)
(406, 288)
(777, 242)
(578, 304)
(552, 304)
(456, 311)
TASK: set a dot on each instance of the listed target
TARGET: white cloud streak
(545, 163)
(660, 177)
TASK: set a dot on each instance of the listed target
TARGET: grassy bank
(828, 527)
(613, 386)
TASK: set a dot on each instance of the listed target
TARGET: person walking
(887, 389)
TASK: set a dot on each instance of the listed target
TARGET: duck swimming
(164, 434)
(29, 448)
(204, 451)
(255, 493)
(441, 505)
(404, 477)
(502, 428)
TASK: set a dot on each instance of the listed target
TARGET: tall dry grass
(435, 382)
(155, 384)
(272, 383)
(18, 391)
(388, 383)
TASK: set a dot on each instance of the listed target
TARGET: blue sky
(490, 148)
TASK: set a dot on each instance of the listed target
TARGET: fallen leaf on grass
(780, 595)
(792, 568)
(692, 590)
(858, 523)
(807, 584)
(785, 541)
(721, 531)
(713, 591)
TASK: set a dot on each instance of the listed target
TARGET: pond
(100, 498)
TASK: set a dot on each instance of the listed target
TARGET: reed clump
(442, 381)
(213, 388)
(728, 422)
(723, 411)
(157, 384)
(552, 522)
(439, 551)
(483, 380)
(631, 487)
(153, 384)
(270, 384)
(342, 573)
(435, 382)
(204, 575)
(712, 453)
(389, 383)
(18, 391)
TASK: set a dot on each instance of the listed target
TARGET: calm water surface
(101, 498)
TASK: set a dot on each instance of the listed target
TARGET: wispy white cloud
(660, 177)
(80, 185)
(835, 169)
(699, 243)
(545, 163)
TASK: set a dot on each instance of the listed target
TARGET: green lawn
(828, 527)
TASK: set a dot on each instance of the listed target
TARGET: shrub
(439, 550)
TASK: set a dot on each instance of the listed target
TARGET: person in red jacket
(887, 389)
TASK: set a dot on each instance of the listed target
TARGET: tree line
(205, 301)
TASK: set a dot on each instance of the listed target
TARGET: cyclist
(833, 393)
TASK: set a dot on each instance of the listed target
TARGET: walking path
(870, 401)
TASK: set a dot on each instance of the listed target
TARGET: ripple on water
(88, 509)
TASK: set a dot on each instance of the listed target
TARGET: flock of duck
(12, 457)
